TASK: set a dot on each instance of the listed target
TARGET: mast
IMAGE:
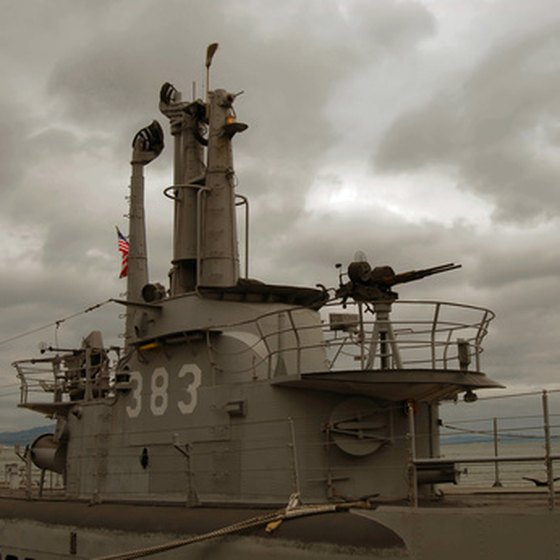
(205, 248)
(186, 123)
(219, 259)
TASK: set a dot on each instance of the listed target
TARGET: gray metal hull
(44, 530)
(61, 529)
(474, 533)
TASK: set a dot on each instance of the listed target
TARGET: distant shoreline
(24, 437)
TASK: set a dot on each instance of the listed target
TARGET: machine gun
(367, 284)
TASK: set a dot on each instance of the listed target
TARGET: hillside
(24, 437)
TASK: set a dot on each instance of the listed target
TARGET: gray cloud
(496, 131)
(12, 136)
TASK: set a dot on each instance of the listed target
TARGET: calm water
(510, 474)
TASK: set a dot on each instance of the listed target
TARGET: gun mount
(374, 285)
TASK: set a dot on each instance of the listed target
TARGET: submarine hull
(80, 530)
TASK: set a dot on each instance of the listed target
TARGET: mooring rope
(272, 520)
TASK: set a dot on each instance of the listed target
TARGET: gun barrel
(412, 275)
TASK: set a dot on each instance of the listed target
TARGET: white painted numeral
(158, 398)
(134, 411)
(191, 389)
(159, 391)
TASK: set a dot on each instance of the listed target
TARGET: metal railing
(62, 376)
(494, 435)
(420, 334)
(423, 334)
(432, 335)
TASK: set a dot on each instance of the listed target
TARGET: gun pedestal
(383, 337)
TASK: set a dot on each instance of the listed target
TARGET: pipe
(146, 146)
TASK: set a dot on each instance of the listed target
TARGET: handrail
(306, 343)
(244, 201)
(435, 320)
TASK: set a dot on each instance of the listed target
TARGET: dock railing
(517, 430)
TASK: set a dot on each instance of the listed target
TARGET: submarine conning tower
(235, 391)
(205, 249)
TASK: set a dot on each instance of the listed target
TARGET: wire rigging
(55, 324)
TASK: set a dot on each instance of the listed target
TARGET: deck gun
(367, 284)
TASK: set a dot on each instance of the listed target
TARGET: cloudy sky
(420, 132)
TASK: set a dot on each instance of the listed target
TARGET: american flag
(123, 248)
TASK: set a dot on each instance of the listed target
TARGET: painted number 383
(158, 395)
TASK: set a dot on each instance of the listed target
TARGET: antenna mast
(210, 52)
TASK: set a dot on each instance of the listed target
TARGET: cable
(55, 323)
(9, 386)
